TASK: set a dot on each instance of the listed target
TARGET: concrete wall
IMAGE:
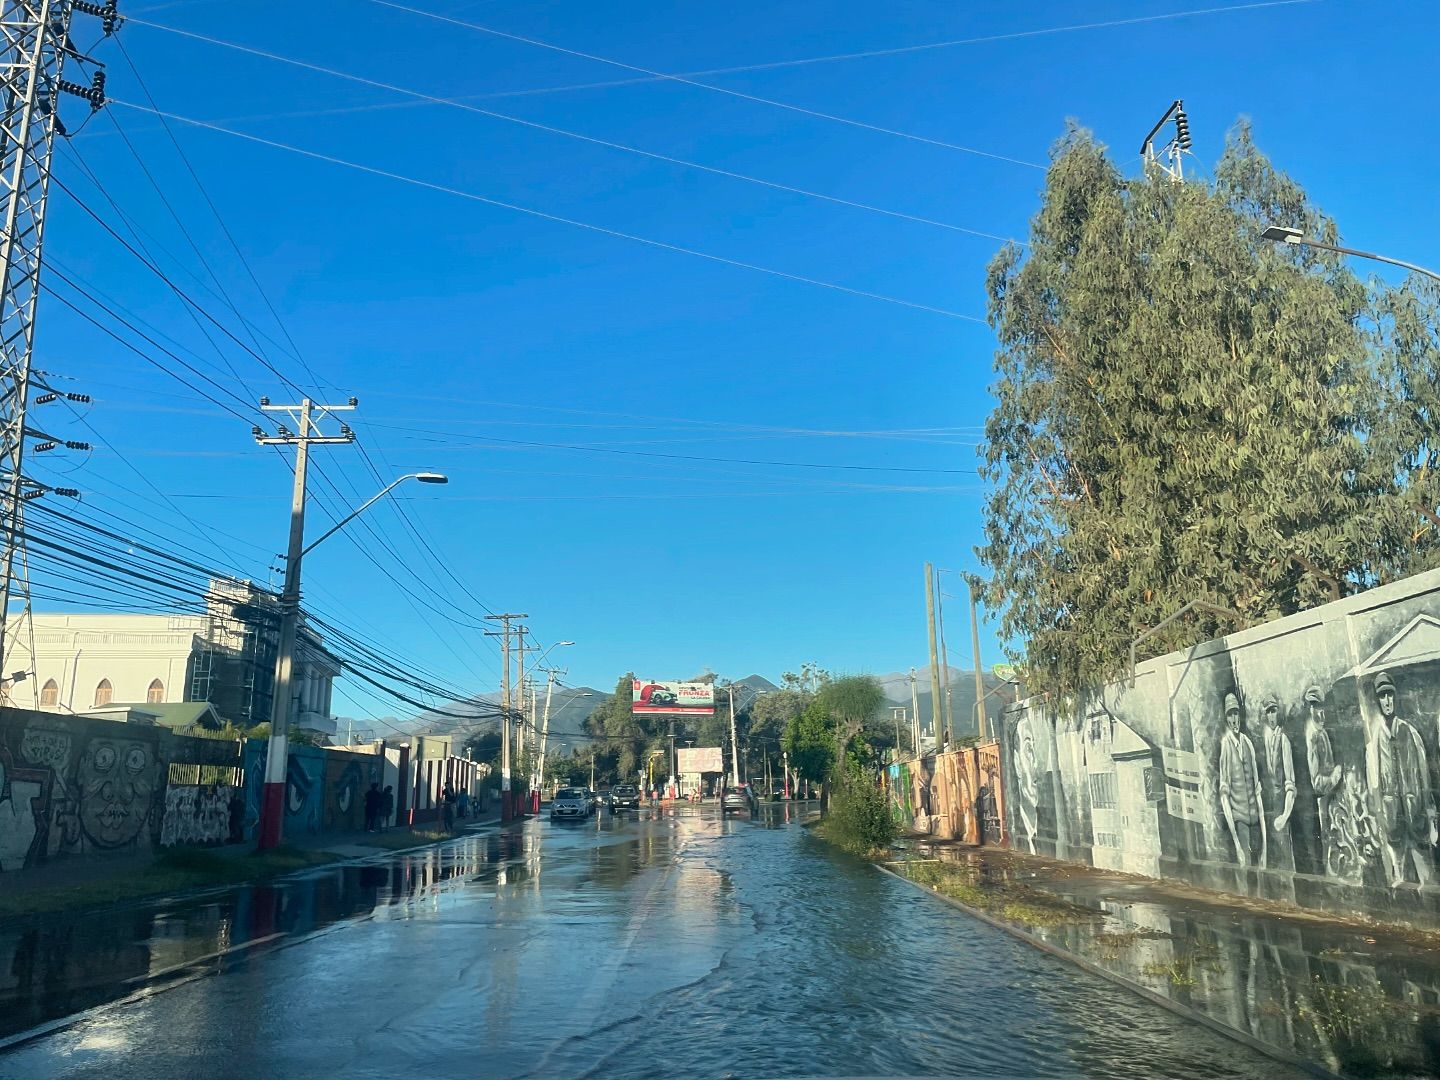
(1332, 805)
(956, 795)
(73, 786)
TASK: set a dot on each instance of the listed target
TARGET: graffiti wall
(950, 796)
(347, 777)
(1299, 761)
(80, 786)
(72, 785)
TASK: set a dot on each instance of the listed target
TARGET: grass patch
(1004, 899)
(175, 870)
(1177, 971)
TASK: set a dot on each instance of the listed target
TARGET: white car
(570, 804)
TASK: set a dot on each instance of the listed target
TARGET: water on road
(668, 943)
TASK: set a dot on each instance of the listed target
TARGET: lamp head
(432, 478)
(1283, 233)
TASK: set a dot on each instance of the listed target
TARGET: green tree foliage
(809, 739)
(1189, 412)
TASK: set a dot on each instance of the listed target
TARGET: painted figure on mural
(21, 791)
(1279, 774)
(1026, 777)
(1320, 756)
(1399, 778)
(1241, 800)
(115, 781)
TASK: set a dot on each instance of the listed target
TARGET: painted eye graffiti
(105, 758)
(135, 759)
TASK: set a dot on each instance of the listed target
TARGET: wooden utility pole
(935, 706)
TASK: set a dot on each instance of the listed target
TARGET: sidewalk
(77, 882)
(1344, 997)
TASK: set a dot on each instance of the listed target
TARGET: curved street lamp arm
(357, 512)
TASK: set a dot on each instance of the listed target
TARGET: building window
(104, 694)
(156, 694)
(50, 694)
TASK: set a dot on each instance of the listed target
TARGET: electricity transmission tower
(34, 46)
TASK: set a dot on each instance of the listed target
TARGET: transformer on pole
(34, 46)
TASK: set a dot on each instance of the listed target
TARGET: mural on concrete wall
(305, 790)
(197, 814)
(1300, 760)
(72, 785)
(949, 796)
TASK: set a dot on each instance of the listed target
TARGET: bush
(859, 819)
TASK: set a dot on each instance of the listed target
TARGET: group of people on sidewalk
(379, 806)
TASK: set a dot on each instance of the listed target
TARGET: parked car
(624, 797)
(570, 803)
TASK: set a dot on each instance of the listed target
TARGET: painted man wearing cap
(1279, 767)
(1240, 798)
(1320, 756)
(1399, 780)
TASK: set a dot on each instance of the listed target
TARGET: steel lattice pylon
(35, 45)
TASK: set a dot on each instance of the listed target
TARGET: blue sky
(471, 332)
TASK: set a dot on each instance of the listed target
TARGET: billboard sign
(673, 698)
(700, 759)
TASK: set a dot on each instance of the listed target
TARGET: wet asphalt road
(655, 945)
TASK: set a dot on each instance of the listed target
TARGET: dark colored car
(624, 797)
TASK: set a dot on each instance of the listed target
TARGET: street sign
(1004, 671)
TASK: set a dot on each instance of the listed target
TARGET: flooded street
(646, 945)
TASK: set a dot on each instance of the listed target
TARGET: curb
(1144, 992)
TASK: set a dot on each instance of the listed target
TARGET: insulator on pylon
(1182, 129)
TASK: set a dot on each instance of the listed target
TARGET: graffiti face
(1232, 720)
(1272, 716)
(1317, 714)
(115, 779)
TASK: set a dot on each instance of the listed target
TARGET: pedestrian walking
(447, 808)
(373, 799)
(462, 804)
(387, 805)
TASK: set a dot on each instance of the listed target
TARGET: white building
(85, 662)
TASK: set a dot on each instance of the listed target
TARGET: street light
(423, 477)
(272, 803)
(1284, 234)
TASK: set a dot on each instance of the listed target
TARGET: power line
(219, 219)
(710, 86)
(545, 216)
(594, 141)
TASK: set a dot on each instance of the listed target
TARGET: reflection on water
(54, 966)
(1350, 999)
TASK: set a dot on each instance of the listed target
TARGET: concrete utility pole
(914, 712)
(507, 803)
(948, 690)
(935, 706)
(520, 631)
(979, 671)
(734, 744)
(35, 45)
(785, 761)
(544, 733)
(272, 803)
